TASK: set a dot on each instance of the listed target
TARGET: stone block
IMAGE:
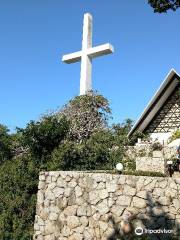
(102, 207)
(58, 191)
(103, 193)
(163, 184)
(129, 191)
(66, 231)
(157, 154)
(76, 236)
(82, 211)
(40, 197)
(93, 197)
(41, 185)
(123, 200)
(67, 192)
(176, 203)
(72, 222)
(165, 201)
(71, 210)
(84, 221)
(78, 191)
(42, 177)
(117, 210)
(61, 183)
(53, 216)
(111, 186)
(139, 202)
(103, 226)
(142, 194)
(49, 228)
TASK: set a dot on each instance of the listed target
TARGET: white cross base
(87, 54)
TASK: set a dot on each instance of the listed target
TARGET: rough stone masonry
(81, 205)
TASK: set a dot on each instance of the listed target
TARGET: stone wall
(151, 164)
(149, 160)
(97, 206)
(170, 152)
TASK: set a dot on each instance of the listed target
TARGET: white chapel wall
(161, 137)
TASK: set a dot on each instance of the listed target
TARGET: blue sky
(35, 34)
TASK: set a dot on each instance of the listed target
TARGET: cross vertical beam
(87, 54)
(86, 61)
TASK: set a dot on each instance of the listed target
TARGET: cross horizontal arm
(72, 57)
(100, 50)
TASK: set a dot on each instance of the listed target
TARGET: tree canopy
(5, 144)
(162, 6)
(78, 137)
(86, 114)
(43, 136)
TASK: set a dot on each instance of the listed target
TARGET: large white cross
(86, 54)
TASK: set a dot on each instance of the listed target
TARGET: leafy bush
(18, 184)
(134, 138)
(93, 153)
(129, 164)
(156, 146)
(5, 144)
(43, 136)
(130, 172)
(175, 135)
(144, 173)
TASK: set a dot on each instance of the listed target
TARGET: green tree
(121, 131)
(102, 150)
(175, 135)
(86, 114)
(93, 153)
(5, 144)
(18, 184)
(43, 136)
(162, 6)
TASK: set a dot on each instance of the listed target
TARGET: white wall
(161, 137)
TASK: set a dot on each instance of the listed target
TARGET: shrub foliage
(5, 144)
(162, 6)
(176, 135)
(75, 138)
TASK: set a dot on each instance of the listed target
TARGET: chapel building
(161, 117)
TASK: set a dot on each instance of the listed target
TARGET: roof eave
(168, 77)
